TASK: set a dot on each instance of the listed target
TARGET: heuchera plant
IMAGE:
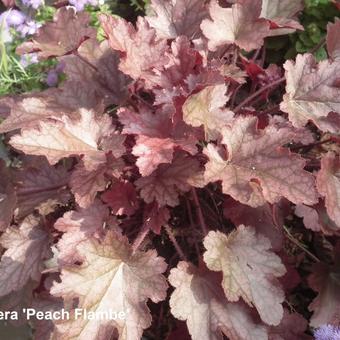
(173, 175)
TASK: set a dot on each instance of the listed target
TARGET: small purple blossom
(18, 21)
(33, 3)
(52, 77)
(327, 332)
(80, 4)
(29, 27)
(13, 17)
(28, 59)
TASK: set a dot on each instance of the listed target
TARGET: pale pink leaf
(250, 270)
(258, 168)
(325, 280)
(174, 18)
(283, 13)
(333, 41)
(313, 93)
(66, 137)
(207, 108)
(111, 278)
(79, 225)
(152, 152)
(145, 122)
(27, 247)
(29, 109)
(239, 24)
(292, 327)
(143, 51)
(184, 62)
(86, 183)
(328, 184)
(316, 219)
(199, 300)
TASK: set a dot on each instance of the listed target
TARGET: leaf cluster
(174, 176)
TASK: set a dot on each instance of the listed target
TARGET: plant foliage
(172, 155)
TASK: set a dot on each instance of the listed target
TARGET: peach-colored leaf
(283, 13)
(114, 278)
(65, 137)
(257, 168)
(144, 52)
(79, 225)
(250, 270)
(86, 183)
(292, 327)
(199, 300)
(333, 41)
(239, 24)
(27, 247)
(312, 93)
(328, 184)
(325, 280)
(207, 108)
(175, 18)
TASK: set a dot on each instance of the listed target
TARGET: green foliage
(314, 18)
(139, 4)
(14, 78)
(44, 13)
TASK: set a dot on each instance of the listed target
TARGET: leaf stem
(318, 46)
(140, 237)
(199, 212)
(175, 243)
(258, 92)
(298, 244)
(297, 147)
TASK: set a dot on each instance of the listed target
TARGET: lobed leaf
(250, 270)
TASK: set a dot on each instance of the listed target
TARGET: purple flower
(13, 17)
(28, 59)
(19, 21)
(28, 27)
(327, 332)
(80, 4)
(33, 3)
(52, 78)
